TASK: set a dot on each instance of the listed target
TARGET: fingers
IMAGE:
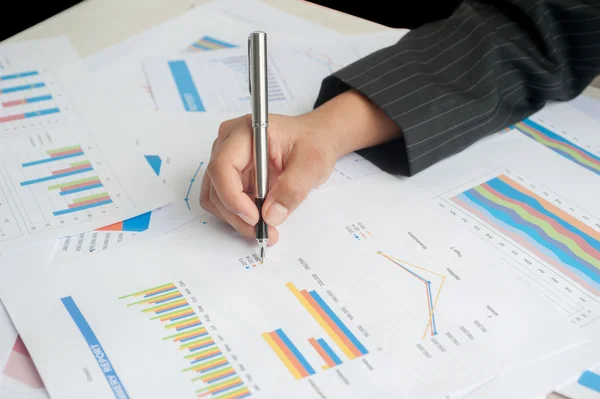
(225, 171)
(243, 227)
(305, 168)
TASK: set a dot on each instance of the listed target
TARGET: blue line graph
(431, 301)
(187, 196)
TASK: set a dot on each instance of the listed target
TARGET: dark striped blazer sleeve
(490, 64)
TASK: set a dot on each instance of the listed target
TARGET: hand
(302, 154)
(301, 157)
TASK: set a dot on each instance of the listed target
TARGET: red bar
(12, 118)
(14, 103)
(74, 186)
(72, 169)
(112, 227)
(92, 201)
(60, 154)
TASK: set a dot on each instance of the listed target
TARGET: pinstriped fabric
(488, 65)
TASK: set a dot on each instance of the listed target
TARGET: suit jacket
(490, 64)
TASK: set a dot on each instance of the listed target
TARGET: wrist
(353, 122)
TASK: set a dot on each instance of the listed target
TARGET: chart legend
(211, 373)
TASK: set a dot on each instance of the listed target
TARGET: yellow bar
(321, 322)
(281, 356)
(148, 290)
(199, 342)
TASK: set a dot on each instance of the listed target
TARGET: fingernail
(247, 219)
(276, 214)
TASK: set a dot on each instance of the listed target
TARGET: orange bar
(210, 366)
(173, 295)
(189, 313)
(331, 323)
(189, 335)
(288, 354)
(328, 360)
(189, 324)
(158, 290)
(170, 306)
(191, 348)
(231, 384)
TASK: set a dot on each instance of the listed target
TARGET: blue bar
(206, 358)
(214, 367)
(42, 161)
(338, 322)
(198, 323)
(218, 42)
(42, 112)
(155, 163)
(168, 299)
(21, 88)
(295, 351)
(137, 223)
(80, 208)
(80, 189)
(103, 362)
(590, 380)
(43, 179)
(172, 309)
(329, 351)
(38, 99)
(18, 75)
(194, 337)
(185, 84)
(202, 347)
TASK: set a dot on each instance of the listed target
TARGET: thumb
(305, 169)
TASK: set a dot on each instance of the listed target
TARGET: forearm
(491, 64)
(354, 122)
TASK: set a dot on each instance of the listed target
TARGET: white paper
(486, 320)
(19, 378)
(41, 153)
(218, 81)
(179, 146)
(579, 389)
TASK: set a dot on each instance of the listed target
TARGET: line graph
(192, 181)
(420, 276)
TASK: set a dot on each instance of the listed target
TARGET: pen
(257, 84)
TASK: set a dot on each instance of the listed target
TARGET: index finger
(225, 171)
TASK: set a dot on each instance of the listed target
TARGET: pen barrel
(261, 161)
(257, 49)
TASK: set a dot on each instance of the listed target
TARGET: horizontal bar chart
(77, 186)
(19, 75)
(75, 168)
(28, 100)
(209, 366)
(91, 201)
(14, 89)
(207, 43)
(57, 155)
(27, 115)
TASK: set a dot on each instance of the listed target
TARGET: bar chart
(29, 96)
(79, 193)
(342, 341)
(209, 370)
(208, 43)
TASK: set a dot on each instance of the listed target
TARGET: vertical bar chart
(205, 361)
(330, 358)
(288, 353)
(330, 322)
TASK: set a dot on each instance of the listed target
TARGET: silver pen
(258, 86)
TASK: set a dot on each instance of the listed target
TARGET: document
(177, 148)
(19, 377)
(64, 167)
(357, 300)
(218, 81)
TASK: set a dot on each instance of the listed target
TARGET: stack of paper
(477, 278)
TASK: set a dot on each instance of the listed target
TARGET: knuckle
(291, 192)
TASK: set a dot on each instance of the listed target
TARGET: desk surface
(85, 24)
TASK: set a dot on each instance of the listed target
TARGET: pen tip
(263, 251)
